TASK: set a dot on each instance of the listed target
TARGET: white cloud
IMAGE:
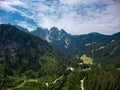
(25, 25)
(70, 2)
(8, 4)
(75, 16)
(96, 21)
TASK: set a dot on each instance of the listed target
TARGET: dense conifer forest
(28, 62)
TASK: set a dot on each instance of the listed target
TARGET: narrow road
(57, 79)
(22, 84)
(82, 83)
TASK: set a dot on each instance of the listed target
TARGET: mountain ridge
(80, 44)
(30, 62)
(50, 35)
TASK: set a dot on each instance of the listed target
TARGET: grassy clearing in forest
(86, 60)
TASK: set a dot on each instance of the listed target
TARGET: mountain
(76, 44)
(24, 56)
(94, 45)
(21, 50)
(40, 32)
(89, 44)
(70, 44)
(28, 62)
(21, 28)
(54, 34)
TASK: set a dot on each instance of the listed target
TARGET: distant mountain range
(28, 61)
(98, 46)
(54, 34)
(92, 43)
(21, 52)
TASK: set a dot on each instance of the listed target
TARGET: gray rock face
(53, 34)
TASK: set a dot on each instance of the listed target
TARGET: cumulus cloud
(75, 16)
(8, 4)
(26, 25)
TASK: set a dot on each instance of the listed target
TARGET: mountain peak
(39, 28)
(50, 35)
(21, 28)
(94, 33)
(63, 31)
(54, 30)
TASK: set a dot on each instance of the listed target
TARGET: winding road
(82, 83)
(22, 84)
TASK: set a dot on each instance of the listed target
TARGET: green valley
(28, 62)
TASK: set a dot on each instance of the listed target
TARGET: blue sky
(74, 16)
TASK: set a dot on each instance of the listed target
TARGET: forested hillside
(25, 57)
(85, 62)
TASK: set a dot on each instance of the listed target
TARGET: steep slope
(79, 44)
(94, 44)
(28, 62)
(50, 35)
(23, 55)
(20, 51)
(109, 50)
(21, 28)
(40, 32)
